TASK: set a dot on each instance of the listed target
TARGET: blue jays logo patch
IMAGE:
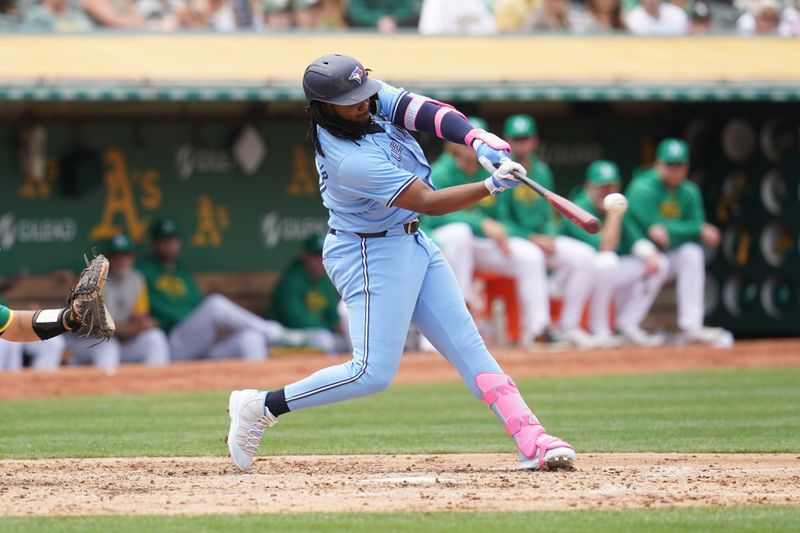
(356, 74)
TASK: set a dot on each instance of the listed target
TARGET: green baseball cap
(478, 122)
(314, 243)
(120, 244)
(164, 228)
(518, 126)
(602, 172)
(673, 151)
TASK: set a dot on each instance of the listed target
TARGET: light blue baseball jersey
(360, 180)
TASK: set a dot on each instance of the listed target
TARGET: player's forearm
(420, 199)
(21, 328)
(612, 229)
(683, 230)
(455, 198)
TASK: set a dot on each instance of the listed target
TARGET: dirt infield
(415, 368)
(392, 483)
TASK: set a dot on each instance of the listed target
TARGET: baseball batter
(669, 210)
(375, 180)
(628, 268)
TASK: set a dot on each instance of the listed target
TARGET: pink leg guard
(500, 393)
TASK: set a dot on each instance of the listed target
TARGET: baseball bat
(573, 212)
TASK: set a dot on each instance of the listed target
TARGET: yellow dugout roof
(155, 60)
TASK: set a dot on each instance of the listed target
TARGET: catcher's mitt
(85, 301)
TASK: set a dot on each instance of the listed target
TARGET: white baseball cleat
(249, 417)
(577, 337)
(606, 341)
(560, 458)
(639, 337)
(716, 337)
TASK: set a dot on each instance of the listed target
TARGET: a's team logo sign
(357, 74)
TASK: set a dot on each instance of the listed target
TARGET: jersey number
(323, 175)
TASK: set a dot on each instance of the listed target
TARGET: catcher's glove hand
(85, 301)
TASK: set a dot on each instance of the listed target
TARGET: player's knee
(692, 252)
(526, 253)
(252, 346)
(374, 382)
(460, 232)
(157, 347)
(455, 236)
(605, 262)
(581, 255)
(216, 300)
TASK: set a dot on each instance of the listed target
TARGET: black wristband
(49, 323)
(73, 324)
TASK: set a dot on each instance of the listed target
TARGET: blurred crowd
(428, 17)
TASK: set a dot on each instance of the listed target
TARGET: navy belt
(408, 228)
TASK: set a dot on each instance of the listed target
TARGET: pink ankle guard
(500, 393)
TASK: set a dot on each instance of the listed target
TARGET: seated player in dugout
(198, 327)
(669, 209)
(85, 312)
(138, 338)
(529, 216)
(305, 299)
(628, 269)
(475, 238)
(375, 181)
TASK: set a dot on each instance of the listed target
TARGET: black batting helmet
(338, 79)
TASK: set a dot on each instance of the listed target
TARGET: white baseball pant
(46, 355)
(623, 280)
(219, 329)
(150, 347)
(526, 264)
(687, 263)
(573, 262)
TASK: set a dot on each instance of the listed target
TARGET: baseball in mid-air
(615, 203)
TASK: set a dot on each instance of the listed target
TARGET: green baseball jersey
(173, 292)
(527, 211)
(6, 316)
(680, 210)
(302, 302)
(630, 229)
(445, 173)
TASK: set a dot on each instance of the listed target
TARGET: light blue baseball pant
(389, 283)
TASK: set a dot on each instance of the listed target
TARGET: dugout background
(239, 177)
(101, 133)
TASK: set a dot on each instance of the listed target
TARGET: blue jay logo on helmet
(357, 73)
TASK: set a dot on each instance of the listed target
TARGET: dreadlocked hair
(336, 126)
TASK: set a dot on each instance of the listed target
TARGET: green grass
(715, 411)
(723, 520)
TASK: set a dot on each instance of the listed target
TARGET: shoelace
(255, 434)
